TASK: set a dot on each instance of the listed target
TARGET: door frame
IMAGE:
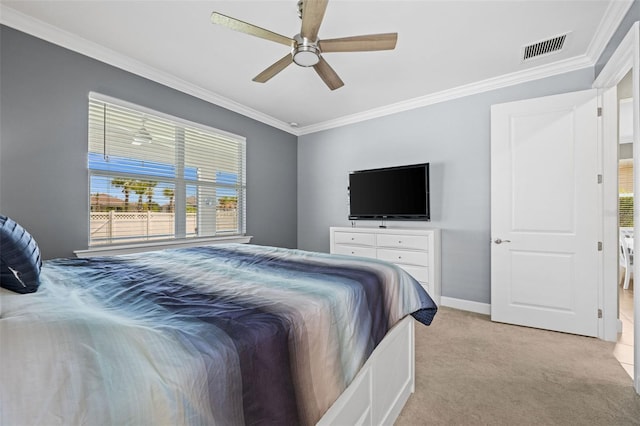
(625, 58)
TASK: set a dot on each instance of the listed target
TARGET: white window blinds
(153, 176)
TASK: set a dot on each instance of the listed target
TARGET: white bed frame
(378, 393)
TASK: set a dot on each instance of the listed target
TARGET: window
(157, 177)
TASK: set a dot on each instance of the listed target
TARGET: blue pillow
(19, 258)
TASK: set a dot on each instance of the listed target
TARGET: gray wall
(454, 137)
(43, 144)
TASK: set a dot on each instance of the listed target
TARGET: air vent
(544, 47)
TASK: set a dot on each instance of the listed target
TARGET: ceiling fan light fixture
(306, 57)
(305, 53)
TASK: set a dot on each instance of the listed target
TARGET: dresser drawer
(357, 238)
(407, 257)
(420, 273)
(416, 242)
(354, 250)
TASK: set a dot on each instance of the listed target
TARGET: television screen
(393, 193)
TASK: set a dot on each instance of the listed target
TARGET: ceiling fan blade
(328, 75)
(244, 27)
(312, 14)
(360, 43)
(274, 69)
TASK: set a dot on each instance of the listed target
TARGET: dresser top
(397, 231)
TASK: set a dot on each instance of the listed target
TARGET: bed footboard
(378, 393)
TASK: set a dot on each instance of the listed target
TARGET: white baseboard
(466, 305)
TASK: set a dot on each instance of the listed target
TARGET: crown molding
(621, 60)
(610, 22)
(608, 25)
(19, 21)
(506, 80)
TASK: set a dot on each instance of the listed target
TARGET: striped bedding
(224, 334)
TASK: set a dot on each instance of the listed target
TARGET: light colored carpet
(471, 371)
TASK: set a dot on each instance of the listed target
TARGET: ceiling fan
(306, 48)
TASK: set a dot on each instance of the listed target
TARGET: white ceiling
(445, 49)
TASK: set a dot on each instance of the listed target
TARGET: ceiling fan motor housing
(305, 52)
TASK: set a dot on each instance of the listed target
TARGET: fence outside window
(111, 227)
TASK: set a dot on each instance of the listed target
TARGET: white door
(545, 213)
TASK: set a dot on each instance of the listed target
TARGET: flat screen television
(391, 193)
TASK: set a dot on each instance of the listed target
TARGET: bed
(222, 334)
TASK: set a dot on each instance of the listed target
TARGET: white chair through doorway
(626, 259)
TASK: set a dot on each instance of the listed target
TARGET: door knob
(500, 241)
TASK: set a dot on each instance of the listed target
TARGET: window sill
(136, 248)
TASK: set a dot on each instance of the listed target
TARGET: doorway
(624, 349)
(624, 60)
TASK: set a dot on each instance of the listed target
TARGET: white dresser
(417, 251)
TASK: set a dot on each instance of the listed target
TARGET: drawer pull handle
(353, 252)
(400, 242)
(399, 257)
